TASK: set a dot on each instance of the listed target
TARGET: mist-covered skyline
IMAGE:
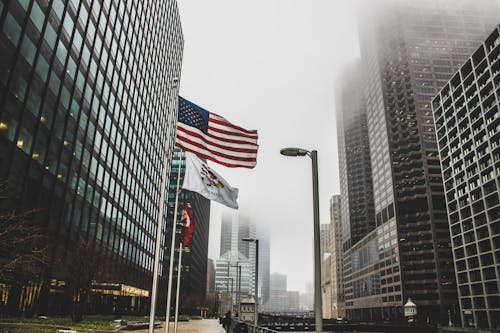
(271, 66)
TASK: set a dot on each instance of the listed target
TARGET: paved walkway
(192, 326)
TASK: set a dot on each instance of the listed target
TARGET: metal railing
(237, 326)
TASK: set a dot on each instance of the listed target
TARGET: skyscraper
(336, 258)
(466, 115)
(88, 94)
(332, 266)
(264, 265)
(236, 253)
(356, 188)
(195, 256)
(326, 270)
(226, 233)
(278, 289)
(408, 51)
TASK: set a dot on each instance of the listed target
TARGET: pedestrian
(227, 321)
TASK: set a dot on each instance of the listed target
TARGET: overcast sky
(270, 65)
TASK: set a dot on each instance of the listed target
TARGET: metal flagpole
(172, 245)
(179, 269)
(154, 287)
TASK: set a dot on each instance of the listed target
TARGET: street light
(256, 241)
(318, 308)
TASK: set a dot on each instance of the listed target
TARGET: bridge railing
(244, 327)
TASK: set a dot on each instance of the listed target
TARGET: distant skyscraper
(292, 301)
(336, 259)
(307, 298)
(210, 298)
(278, 289)
(326, 270)
(88, 95)
(467, 118)
(210, 276)
(226, 233)
(264, 265)
(236, 252)
(409, 49)
(331, 270)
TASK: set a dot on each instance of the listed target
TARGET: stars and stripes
(212, 137)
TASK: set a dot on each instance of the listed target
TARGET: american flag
(212, 137)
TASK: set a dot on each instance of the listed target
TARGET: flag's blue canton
(192, 115)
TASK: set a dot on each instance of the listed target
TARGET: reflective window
(33, 102)
(58, 8)
(24, 141)
(54, 83)
(71, 69)
(77, 40)
(12, 29)
(68, 25)
(28, 50)
(37, 16)
(61, 52)
(50, 36)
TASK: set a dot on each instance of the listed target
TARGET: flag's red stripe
(185, 129)
(229, 150)
(223, 153)
(228, 124)
(219, 130)
(208, 157)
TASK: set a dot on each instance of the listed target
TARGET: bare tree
(84, 266)
(23, 244)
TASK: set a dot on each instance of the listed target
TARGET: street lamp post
(238, 287)
(318, 308)
(256, 287)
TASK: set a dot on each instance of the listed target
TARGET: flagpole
(179, 269)
(154, 287)
(172, 246)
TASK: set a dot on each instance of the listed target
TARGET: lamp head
(248, 239)
(294, 152)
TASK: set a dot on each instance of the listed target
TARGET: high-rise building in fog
(292, 301)
(88, 100)
(467, 118)
(264, 265)
(278, 299)
(356, 188)
(234, 253)
(226, 234)
(409, 50)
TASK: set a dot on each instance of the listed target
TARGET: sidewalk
(192, 326)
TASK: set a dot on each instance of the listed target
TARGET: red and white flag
(212, 137)
(188, 225)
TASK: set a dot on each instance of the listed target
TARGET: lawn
(89, 322)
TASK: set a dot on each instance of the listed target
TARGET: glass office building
(467, 119)
(88, 95)
(195, 255)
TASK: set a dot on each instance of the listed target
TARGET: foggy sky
(270, 65)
